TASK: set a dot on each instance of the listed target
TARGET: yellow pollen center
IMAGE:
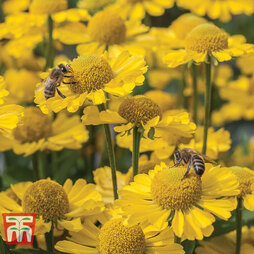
(36, 126)
(90, 73)
(114, 237)
(171, 191)
(139, 109)
(185, 23)
(206, 38)
(107, 27)
(47, 198)
(245, 178)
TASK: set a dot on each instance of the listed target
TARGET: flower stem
(111, 153)
(49, 240)
(181, 99)
(195, 93)
(50, 49)
(208, 97)
(35, 162)
(135, 150)
(238, 215)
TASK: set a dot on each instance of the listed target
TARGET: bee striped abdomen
(198, 164)
(49, 93)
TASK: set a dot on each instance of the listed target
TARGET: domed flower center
(47, 198)
(206, 38)
(90, 73)
(185, 23)
(114, 237)
(48, 6)
(171, 191)
(107, 27)
(245, 178)
(35, 126)
(139, 109)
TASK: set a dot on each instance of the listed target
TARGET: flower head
(191, 201)
(139, 110)
(47, 198)
(91, 76)
(245, 178)
(39, 132)
(53, 203)
(116, 236)
(207, 40)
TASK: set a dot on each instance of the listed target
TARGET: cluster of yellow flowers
(148, 110)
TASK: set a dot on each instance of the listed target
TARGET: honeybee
(54, 79)
(193, 159)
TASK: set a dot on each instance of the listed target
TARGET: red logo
(19, 227)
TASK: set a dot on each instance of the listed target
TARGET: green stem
(135, 150)
(177, 239)
(238, 215)
(50, 49)
(208, 96)
(49, 240)
(111, 153)
(181, 99)
(35, 162)
(195, 93)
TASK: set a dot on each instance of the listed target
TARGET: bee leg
(69, 82)
(188, 169)
(59, 92)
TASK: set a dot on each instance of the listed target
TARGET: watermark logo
(19, 227)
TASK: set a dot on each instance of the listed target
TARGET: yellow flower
(92, 76)
(218, 9)
(207, 39)
(39, 132)
(104, 30)
(240, 95)
(53, 202)
(15, 6)
(217, 141)
(103, 181)
(142, 111)
(190, 202)
(11, 114)
(21, 84)
(246, 64)
(115, 236)
(226, 243)
(245, 177)
(138, 8)
(47, 6)
(165, 101)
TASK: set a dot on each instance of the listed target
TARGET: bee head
(63, 68)
(177, 157)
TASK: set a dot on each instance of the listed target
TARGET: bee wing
(41, 85)
(208, 159)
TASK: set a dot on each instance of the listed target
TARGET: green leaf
(25, 228)
(12, 218)
(14, 228)
(26, 219)
(188, 246)
(151, 133)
